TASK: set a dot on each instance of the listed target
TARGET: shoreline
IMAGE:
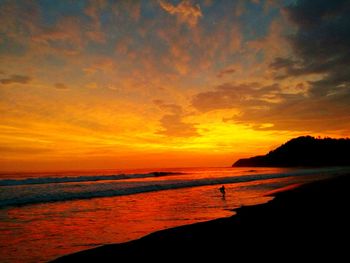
(308, 220)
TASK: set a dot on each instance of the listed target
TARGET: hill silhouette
(303, 151)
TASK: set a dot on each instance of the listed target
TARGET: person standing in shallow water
(222, 190)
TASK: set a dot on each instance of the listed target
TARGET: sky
(140, 84)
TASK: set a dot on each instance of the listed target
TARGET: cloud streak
(19, 79)
(226, 71)
(61, 86)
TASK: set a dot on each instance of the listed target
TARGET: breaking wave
(20, 194)
(85, 178)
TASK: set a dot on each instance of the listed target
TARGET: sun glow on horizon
(132, 84)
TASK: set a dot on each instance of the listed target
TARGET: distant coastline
(304, 151)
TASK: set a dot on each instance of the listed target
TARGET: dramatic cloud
(229, 74)
(321, 48)
(172, 122)
(20, 79)
(321, 45)
(184, 11)
(271, 107)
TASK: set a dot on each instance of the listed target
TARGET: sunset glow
(137, 84)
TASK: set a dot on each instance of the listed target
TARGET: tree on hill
(304, 151)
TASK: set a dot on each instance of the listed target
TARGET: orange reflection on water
(45, 231)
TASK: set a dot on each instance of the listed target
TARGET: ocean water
(47, 215)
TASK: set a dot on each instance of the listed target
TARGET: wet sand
(306, 222)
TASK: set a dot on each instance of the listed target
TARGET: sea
(45, 215)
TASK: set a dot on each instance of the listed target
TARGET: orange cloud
(123, 46)
(12, 14)
(250, 95)
(93, 10)
(174, 126)
(272, 108)
(96, 36)
(172, 122)
(181, 53)
(94, 7)
(66, 37)
(60, 86)
(184, 11)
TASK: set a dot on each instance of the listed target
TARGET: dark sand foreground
(309, 222)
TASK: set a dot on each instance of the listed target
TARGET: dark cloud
(172, 122)
(60, 86)
(321, 44)
(20, 79)
(226, 71)
(281, 63)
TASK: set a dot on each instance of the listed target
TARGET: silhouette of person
(222, 190)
